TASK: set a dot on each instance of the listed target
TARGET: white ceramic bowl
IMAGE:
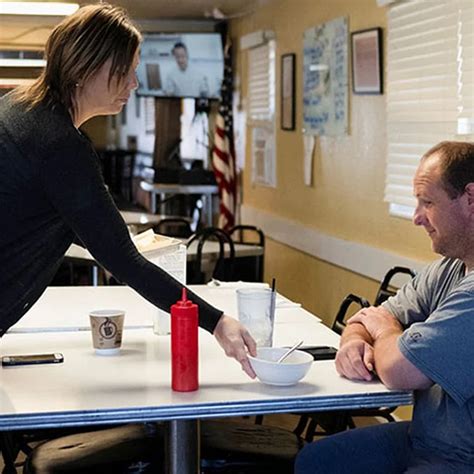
(288, 372)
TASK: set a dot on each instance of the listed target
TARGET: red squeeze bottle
(184, 345)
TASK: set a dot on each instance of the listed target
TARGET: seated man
(422, 339)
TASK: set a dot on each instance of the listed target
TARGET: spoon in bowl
(289, 351)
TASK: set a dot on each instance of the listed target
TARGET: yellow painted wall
(346, 198)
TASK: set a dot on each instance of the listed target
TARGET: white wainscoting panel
(357, 257)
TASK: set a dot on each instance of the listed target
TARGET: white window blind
(261, 112)
(429, 87)
(466, 67)
(261, 77)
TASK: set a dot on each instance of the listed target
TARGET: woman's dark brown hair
(77, 48)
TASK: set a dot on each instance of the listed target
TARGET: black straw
(272, 303)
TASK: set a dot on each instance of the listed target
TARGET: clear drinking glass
(255, 313)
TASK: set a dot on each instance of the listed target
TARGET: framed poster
(288, 91)
(367, 61)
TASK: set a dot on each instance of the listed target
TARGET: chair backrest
(339, 322)
(387, 288)
(224, 266)
(252, 268)
(174, 227)
(238, 234)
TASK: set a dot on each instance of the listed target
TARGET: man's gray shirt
(437, 308)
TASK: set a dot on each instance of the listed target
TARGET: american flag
(223, 151)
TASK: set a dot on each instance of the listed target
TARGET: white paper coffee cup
(107, 330)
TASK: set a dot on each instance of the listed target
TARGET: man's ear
(469, 190)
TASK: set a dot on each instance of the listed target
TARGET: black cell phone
(9, 361)
(320, 352)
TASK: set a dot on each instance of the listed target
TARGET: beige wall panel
(320, 286)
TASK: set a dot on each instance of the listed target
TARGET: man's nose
(418, 216)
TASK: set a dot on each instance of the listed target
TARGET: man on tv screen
(184, 80)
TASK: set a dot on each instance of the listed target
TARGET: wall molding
(360, 258)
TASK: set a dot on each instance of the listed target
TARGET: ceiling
(191, 9)
(20, 31)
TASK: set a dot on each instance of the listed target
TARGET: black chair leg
(9, 449)
(300, 427)
(259, 419)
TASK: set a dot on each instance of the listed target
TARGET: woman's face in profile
(99, 98)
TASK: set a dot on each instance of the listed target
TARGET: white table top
(67, 308)
(135, 385)
(145, 218)
(179, 188)
(210, 251)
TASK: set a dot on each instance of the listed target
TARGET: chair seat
(258, 447)
(226, 447)
(108, 450)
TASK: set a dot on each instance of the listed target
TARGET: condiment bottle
(184, 345)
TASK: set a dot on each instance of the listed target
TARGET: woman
(51, 188)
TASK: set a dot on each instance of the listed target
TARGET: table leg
(162, 203)
(153, 202)
(208, 207)
(95, 275)
(182, 447)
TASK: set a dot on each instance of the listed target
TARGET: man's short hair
(456, 165)
(179, 44)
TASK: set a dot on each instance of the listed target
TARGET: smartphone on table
(32, 359)
(320, 352)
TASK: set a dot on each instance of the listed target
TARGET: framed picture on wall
(367, 61)
(288, 91)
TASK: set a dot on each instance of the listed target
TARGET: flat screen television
(181, 65)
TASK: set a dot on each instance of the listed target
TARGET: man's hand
(236, 341)
(355, 360)
(376, 320)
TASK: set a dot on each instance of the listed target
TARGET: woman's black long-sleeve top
(51, 189)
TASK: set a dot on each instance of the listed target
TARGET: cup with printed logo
(107, 330)
(254, 306)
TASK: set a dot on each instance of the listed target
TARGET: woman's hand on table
(236, 342)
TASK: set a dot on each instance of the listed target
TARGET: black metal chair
(314, 424)
(224, 265)
(249, 268)
(386, 288)
(333, 422)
